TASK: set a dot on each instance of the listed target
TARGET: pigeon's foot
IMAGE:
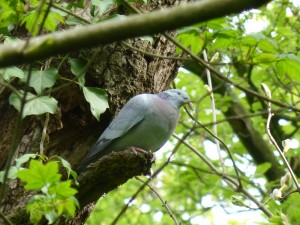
(135, 150)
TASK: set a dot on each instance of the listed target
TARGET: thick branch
(120, 29)
(110, 172)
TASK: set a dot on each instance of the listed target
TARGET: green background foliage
(258, 46)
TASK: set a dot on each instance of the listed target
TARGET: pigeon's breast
(158, 125)
(153, 131)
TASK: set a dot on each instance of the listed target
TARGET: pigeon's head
(177, 97)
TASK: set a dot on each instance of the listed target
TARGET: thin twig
(44, 134)
(161, 199)
(213, 109)
(57, 6)
(213, 70)
(229, 179)
(47, 11)
(148, 181)
(270, 114)
(151, 54)
(225, 146)
(17, 130)
(198, 169)
(16, 136)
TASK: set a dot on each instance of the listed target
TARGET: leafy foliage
(259, 46)
(248, 58)
(34, 105)
(56, 198)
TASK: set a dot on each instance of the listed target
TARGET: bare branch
(119, 29)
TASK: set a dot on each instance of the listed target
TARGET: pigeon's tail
(97, 152)
(83, 165)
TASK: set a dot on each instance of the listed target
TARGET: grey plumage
(146, 122)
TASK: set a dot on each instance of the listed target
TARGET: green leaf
(78, 68)
(39, 175)
(263, 168)
(249, 40)
(33, 20)
(51, 216)
(8, 14)
(62, 190)
(237, 201)
(268, 45)
(76, 4)
(67, 207)
(43, 79)
(70, 206)
(289, 64)
(191, 40)
(225, 38)
(12, 173)
(265, 58)
(68, 167)
(97, 99)
(23, 159)
(52, 21)
(103, 5)
(34, 105)
(12, 41)
(217, 24)
(35, 208)
(10, 72)
(29, 21)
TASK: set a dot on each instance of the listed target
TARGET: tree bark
(123, 73)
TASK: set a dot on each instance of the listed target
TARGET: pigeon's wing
(130, 116)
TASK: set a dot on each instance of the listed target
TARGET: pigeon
(145, 123)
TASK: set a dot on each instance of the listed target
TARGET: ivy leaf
(43, 79)
(39, 175)
(97, 99)
(12, 173)
(103, 5)
(10, 72)
(68, 167)
(23, 159)
(78, 68)
(34, 105)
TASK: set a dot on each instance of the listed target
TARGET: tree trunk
(71, 132)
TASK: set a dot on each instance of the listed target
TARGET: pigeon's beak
(190, 106)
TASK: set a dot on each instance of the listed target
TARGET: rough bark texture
(71, 132)
(123, 73)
